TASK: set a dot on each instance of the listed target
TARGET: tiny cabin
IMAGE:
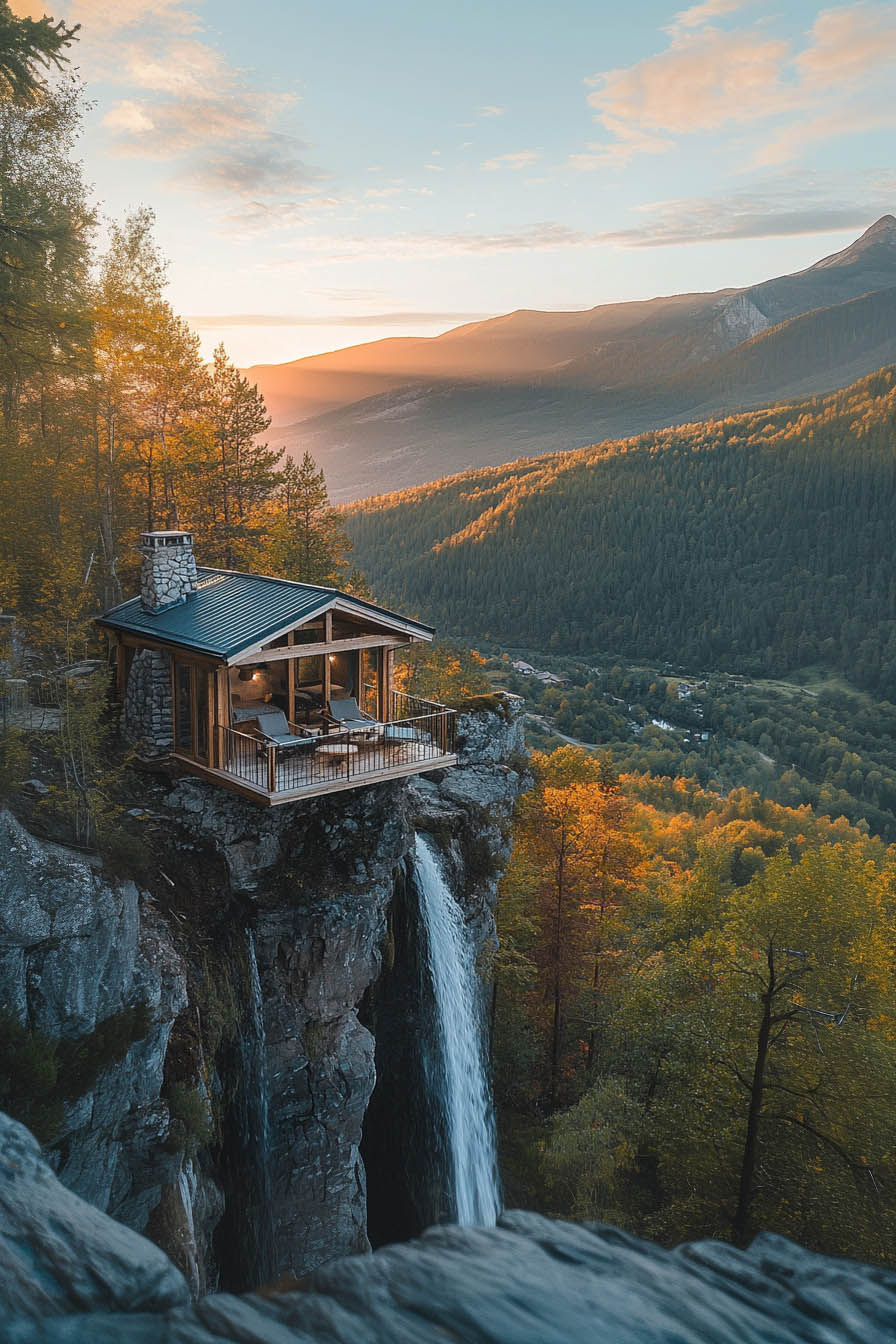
(278, 690)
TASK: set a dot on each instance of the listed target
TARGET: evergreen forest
(758, 543)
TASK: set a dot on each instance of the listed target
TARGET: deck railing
(406, 739)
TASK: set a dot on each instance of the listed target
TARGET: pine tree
(308, 542)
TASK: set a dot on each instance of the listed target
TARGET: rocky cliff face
(70, 1275)
(215, 1000)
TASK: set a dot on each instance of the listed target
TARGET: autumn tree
(444, 671)
(578, 860)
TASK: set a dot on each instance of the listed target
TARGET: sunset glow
(345, 168)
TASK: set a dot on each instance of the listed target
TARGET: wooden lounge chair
(273, 728)
(345, 716)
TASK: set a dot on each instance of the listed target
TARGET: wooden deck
(288, 792)
(331, 762)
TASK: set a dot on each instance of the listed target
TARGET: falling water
(457, 1069)
(259, 1120)
(187, 1185)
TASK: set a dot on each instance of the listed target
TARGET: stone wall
(146, 722)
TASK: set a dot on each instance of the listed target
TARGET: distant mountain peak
(874, 242)
(885, 225)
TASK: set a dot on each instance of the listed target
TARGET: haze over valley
(396, 413)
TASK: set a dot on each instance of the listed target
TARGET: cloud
(521, 158)
(101, 16)
(183, 102)
(708, 78)
(702, 80)
(798, 206)
(703, 13)
(795, 208)
(491, 111)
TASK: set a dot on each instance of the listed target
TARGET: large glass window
(191, 710)
(368, 697)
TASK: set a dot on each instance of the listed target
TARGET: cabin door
(193, 696)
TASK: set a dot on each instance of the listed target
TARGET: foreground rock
(71, 1275)
(58, 1254)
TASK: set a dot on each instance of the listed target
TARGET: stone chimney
(168, 575)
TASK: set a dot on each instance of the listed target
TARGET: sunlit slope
(762, 540)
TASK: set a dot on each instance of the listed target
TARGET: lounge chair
(274, 729)
(348, 718)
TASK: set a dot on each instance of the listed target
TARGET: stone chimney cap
(171, 538)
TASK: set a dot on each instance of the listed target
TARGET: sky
(329, 174)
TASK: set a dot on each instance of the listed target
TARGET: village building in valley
(279, 690)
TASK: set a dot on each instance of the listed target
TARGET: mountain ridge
(389, 415)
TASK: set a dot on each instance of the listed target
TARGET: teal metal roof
(231, 612)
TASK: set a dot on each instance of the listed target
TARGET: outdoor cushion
(274, 728)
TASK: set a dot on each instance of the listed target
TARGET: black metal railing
(315, 760)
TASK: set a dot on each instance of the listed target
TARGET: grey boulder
(59, 1255)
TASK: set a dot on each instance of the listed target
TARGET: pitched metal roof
(230, 612)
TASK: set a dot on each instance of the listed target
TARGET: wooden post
(291, 682)
(272, 769)
(384, 689)
(222, 714)
(326, 681)
(210, 687)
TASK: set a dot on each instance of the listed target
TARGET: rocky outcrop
(230, 1128)
(81, 957)
(69, 1275)
(60, 1255)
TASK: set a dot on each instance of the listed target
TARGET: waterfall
(187, 1184)
(456, 1068)
(259, 1123)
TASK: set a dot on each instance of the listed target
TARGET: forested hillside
(760, 542)
(694, 1012)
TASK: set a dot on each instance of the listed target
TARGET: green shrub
(191, 1124)
(82, 1060)
(28, 1078)
(38, 1075)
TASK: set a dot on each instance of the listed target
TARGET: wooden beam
(291, 684)
(312, 650)
(174, 650)
(326, 682)
(384, 686)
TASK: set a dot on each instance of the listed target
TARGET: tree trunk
(740, 1222)
(556, 1019)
